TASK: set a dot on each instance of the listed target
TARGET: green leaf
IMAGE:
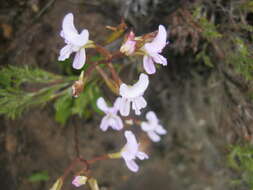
(81, 103)
(63, 107)
(38, 177)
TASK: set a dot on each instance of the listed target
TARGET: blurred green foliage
(38, 177)
(240, 159)
(26, 87)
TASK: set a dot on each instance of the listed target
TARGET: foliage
(65, 106)
(240, 158)
(38, 177)
(25, 87)
(230, 36)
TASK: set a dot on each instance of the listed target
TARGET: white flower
(153, 49)
(152, 127)
(133, 94)
(111, 119)
(75, 42)
(131, 151)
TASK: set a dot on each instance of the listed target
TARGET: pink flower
(128, 47)
(152, 127)
(79, 181)
(75, 42)
(133, 94)
(153, 49)
(111, 119)
(131, 151)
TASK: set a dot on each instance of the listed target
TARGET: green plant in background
(227, 39)
(38, 177)
(25, 87)
(240, 158)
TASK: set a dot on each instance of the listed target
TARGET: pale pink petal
(131, 141)
(62, 34)
(159, 59)
(79, 39)
(101, 104)
(159, 42)
(79, 59)
(115, 122)
(124, 107)
(68, 24)
(153, 136)
(137, 89)
(104, 124)
(65, 52)
(160, 130)
(148, 64)
(79, 181)
(142, 155)
(138, 104)
(127, 155)
(116, 105)
(118, 123)
(151, 117)
(131, 164)
(146, 126)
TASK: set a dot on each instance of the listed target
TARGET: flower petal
(151, 117)
(131, 164)
(68, 24)
(138, 104)
(118, 123)
(104, 124)
(124, 107)
(160, 130)
(159, 59)
(153, 136)
(158, 43)
(78, 40)
(65, 52)
(146, 126)
(148, 64)
(116, 105)
(79, 59)
(137, 89)
(131, 141)
(101, 104)
(142, 155)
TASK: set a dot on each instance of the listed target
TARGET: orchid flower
(128, 47)
(152, 127)
(111, 119)
(153, 49)
(131, 151)
(75, 42)
(79, 181)
(133, 94)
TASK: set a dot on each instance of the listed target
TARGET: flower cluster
(130, 97)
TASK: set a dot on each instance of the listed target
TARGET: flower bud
(77, 87)
(79, 181)
(128, 47)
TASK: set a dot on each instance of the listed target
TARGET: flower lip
(111, 119)
(135, 90)
(152, 127)
(130, 152)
